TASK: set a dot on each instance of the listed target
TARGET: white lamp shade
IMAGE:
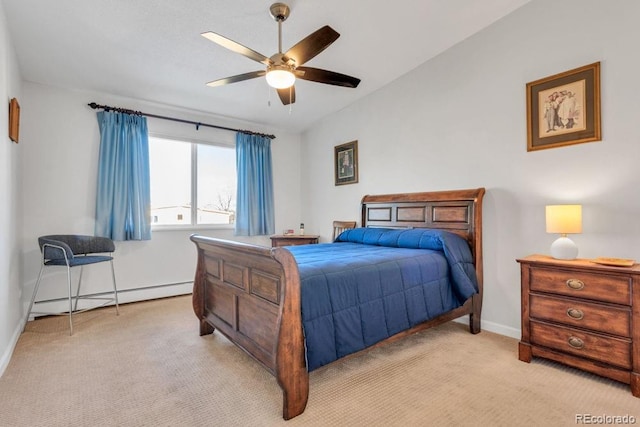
(564, 219)
(280, 79)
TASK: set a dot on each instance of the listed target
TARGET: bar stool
(72, 250)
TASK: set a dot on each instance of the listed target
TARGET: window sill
(190, 227)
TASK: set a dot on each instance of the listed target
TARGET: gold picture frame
(14, 120)
(346, 163)
(564, 109)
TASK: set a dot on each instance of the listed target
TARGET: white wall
(459, 121)
(61, 141)
(10, 202)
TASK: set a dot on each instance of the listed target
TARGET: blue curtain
(123, 201)
(254, 207)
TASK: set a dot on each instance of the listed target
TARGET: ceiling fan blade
(236, 47)
(288, 95)
(327, 77)
(312, 45)
(238, 78)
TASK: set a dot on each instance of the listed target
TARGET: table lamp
(563, 220)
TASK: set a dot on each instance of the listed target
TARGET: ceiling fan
(282, 69)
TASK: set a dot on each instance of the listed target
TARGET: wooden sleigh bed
(252, 295)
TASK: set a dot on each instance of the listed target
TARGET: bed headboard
(457, 211)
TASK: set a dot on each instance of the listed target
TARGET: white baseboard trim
(6, 357)
(496, 328)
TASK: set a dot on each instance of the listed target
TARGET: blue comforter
(373, 283)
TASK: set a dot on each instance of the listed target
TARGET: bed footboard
(251, 294)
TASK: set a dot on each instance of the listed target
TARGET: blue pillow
(455, 248)
(411, 238)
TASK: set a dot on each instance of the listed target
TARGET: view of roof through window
(191, 184)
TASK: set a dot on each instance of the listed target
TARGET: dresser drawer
(578, 284)
(582, 314)
(613, 351)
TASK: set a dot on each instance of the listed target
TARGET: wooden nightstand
(582, 314)
(293, 239)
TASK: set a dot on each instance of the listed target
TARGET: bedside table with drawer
(582, 314)
(293, 239)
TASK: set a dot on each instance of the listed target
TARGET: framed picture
(346, 163)
(564, 109)
(14, 120)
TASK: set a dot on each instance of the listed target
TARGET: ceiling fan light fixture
(280, 78)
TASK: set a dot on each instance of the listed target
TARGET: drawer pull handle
(575, 313)
(576, 342)
(575, 284)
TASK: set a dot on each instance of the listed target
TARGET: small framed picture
(564, 109)
(14, 120)
(346, 163)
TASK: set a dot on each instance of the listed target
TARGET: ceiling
(152, 50)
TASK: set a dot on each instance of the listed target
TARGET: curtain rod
(197, 124)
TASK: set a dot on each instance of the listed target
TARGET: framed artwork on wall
(564, 109)
(346, 163)
(14, 120)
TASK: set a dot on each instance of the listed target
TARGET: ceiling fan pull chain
(290, 103)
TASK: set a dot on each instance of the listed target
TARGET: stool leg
(70, 301)
(115, 289)
(75, 305)
(33, 297)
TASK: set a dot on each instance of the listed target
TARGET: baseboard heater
(126, 291)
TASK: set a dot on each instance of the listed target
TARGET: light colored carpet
(149, 367)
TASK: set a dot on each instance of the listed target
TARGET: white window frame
(194, 187)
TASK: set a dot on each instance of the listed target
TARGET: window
(191, 184)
